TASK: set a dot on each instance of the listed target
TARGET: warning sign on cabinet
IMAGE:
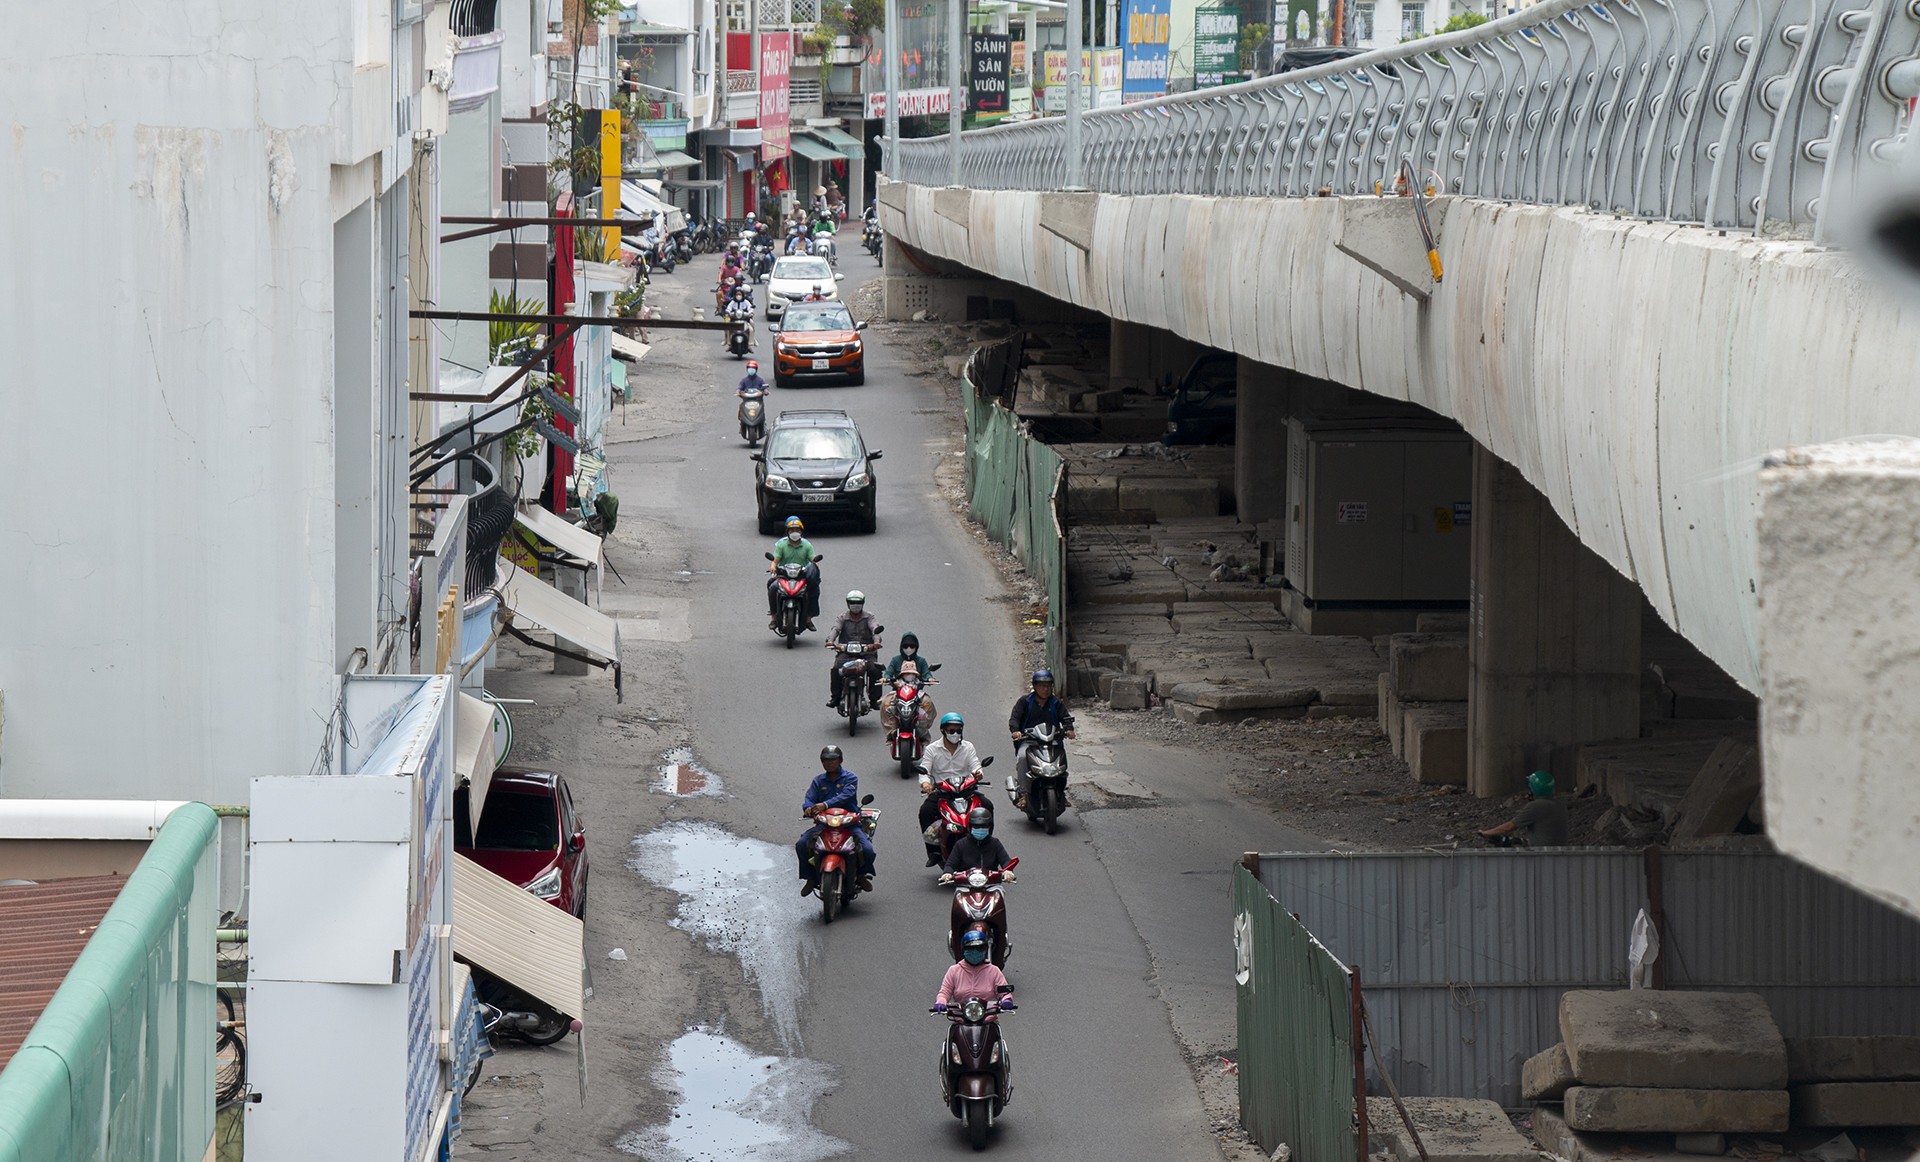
(1350, 512)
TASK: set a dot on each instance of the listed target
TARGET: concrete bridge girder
(1635, 373)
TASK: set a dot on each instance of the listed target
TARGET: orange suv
(817, 340)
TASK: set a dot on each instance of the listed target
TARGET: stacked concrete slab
(1664, 1062)
(1421, 699)
(1854, 1081)
(1142, 483)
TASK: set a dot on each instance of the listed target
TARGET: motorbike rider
(751, 381)
(1030, 710)
(949, 760)
(815, 295)
(797, 242)
(739, 309)
(791, 549)
(854, 629)
(978, 848)
(923, 677)
(973, 978)
(834, 786)
(911, 675)
(909, 652)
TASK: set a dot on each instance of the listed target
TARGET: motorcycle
(979, 902)
(834, 850)
(976, 1071)
(753, 428)
(682, 246)
(905, 743)
(792, 582)
(870, 238)
(859, 682)
(957, 801)
(1047, 776)
(760, 261)
(740, 339)
(508, 1012)
(823, 247)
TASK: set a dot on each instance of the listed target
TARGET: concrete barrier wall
(1634, 372)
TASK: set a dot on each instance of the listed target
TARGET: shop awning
(530, 604)
(569, 538)
(631, 350)
(744, 157)
(634, 199)
(505, 930)
(846, 143)
(473, 758)
(694, 183)
(814, 150)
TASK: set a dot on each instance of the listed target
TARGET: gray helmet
(830, 752)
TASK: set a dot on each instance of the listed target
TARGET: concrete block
(1092, 493)
(1103, 683)
(1434, 739)
(1451, 1129)
(1388, 707)
(1547, 1075)
(1430, 667)
(1857, 1103)
(1440, 623)
(1197, 715)
(1811, 1059)
(1169, 497)
(1320, 711)
(1714, 1144)
(1166, 677)
(1128, 692)
(1153, 594)
(1353, 694)
(1628, 1109)
(1220, 696)
(1678, 1040)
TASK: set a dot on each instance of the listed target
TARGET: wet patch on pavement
(740, 896)
(682, 774)
(736, 1105)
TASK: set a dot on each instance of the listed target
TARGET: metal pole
(893, 88)
(956, 63)
(753, 51)
(1076, 78)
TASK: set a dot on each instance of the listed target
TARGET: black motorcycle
(870, 238)
(976, 1071)
(1047, 772)
(508, 1012)
(790, 616)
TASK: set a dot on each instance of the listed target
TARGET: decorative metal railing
(1748, 114)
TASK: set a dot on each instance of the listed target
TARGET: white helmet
(855, 597)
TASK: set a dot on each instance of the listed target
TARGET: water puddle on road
(736, 1105)
(738, 896)
(682, 774)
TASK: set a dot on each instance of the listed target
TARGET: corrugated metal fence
(1299, 1044)
(1016, 485)
(1463, 956)
(120, 1065)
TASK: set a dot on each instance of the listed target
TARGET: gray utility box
(1378, 514)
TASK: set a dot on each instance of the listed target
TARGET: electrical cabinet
(1378, 514)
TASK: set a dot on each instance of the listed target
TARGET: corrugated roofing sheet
(43, 927)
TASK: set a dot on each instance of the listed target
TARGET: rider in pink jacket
(974, 977)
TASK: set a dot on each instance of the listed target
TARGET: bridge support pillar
(1264, 401)
(1143, 356)
(1554, 647)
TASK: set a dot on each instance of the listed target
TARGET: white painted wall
(171, 182)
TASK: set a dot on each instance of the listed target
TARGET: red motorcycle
(980, 903)
(836, 853)
(790, 583)
(909, 710)
(957, 801)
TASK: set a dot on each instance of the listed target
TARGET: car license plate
(819, 365)
(815, 497)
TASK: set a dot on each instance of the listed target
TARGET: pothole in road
(740, 896)
(735, 1105)
(681, 774)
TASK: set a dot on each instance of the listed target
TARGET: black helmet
(830, 752)
(980, 817)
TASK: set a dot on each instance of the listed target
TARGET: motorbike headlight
(778, 483)
(856, 482)
(547, 886)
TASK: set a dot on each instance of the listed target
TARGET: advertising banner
(1108, 64)
(1148, 28)
(776, 64)
(913, 103)
(987, 75)
(1019, 81)
(1054, 72)
(1216, 45)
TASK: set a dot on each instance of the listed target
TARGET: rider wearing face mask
(909, 652)
(793, 548)
(973, 977)
(909, 664)
(978, 848)
(952, 758)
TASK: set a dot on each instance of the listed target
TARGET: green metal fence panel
(119, 1067)
(1296, 1021)
(1016, 488)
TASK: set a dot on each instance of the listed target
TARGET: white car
(794, 279)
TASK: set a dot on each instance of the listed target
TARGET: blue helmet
(794, 522)
(1042, 675)
(953, 719)
(973, 939)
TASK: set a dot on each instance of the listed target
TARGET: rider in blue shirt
(832, 787)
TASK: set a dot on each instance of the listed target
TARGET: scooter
(791, 579)
(753, 422)
(979, 902)
(1047, 776)
(976, 1070)
(508, 1012)
(859, 682)
(870, 238)
(904, 744)
(740, 339)
(760, 260)
(957, 801)
(835, 851)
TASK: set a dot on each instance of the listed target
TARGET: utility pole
(753, 50)
(1113, 23)
(892, 111)
(956, 62)
(1076, 93)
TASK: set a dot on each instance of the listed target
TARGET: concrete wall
(1634, 372)
(172, 177)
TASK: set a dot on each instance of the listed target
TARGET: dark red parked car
(530, 834)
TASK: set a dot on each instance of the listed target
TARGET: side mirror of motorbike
(1012, 863)
(769, 556)
(985, 762)
(817, 557)
(865, 799)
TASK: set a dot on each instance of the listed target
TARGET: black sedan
(815, 465)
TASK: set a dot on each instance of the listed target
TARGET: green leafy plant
(858, 20)
(817, 42)
(590, 244)
(629, 301)
(511, 343)
(573, 140)
(1253, 37)
(533, 409)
